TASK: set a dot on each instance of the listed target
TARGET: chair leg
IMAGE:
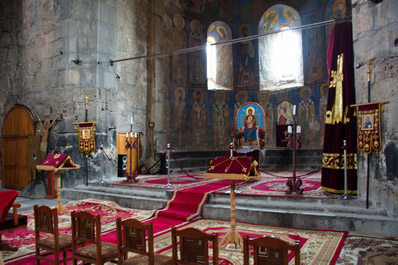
(37, 256)
(64, 257)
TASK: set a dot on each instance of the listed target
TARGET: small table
(232, 168)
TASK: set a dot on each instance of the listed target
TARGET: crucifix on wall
(46, 121)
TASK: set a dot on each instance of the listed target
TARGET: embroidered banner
(86, 137)
(369, 133)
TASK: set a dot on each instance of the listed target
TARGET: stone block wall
(375, 29)
(54, 53)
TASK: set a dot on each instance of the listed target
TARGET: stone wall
(375, 28)
(54, 53)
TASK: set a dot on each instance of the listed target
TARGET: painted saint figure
(250, 129)
(198, 116)
(220, 120)
(285, 113)
(246, 60)
(264, 100)
(180, 115)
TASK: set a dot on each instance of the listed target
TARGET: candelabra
(131, 143)
(168, 185)
(294, 135)
(345, 196)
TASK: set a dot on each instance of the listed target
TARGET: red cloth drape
(340, 42)
(7, 198)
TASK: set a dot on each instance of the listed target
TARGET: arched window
(281, 55)
(219, 56)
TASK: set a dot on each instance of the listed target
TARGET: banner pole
(367, 156)
(86, 157)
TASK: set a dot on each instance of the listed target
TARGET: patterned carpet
(270, 184)
(317, 247)
(25, 238)
(369, 250)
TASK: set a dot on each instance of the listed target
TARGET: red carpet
(317, 247)
(185, 205)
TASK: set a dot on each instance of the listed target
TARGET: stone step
(306, 213)
(292, 211)
(136, 198)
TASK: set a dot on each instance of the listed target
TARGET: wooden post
(50, 185)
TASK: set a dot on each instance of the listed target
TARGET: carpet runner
(184, 206)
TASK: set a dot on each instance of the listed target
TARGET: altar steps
(295, 211)
(308, 213)
(270, 159)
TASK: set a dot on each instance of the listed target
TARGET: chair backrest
(86, 228)
(131, 235)
(46, 221)
(270, 250)
(194, 246)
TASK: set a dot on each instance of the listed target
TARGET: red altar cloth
(7, 198)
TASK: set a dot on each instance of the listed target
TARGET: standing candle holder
(294, 135)
(131, 143)
(168, 185)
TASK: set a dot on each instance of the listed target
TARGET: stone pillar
(376, 39)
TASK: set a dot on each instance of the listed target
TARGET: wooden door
(18, 126)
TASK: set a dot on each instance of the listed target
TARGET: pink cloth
(7, 198)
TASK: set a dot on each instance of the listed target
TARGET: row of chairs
(134, 236)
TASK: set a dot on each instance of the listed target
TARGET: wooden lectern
(55, 163)
(232, 168)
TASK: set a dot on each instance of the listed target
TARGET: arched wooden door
(18, 126)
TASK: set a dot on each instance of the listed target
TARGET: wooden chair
(46, 222)
(131, 238)
(194, 246)
(86, 230)
(12, 222)
(270, 250)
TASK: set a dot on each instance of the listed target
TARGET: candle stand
(294, 134)
(168, 185)
(131, 143)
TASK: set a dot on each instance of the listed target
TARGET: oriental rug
(179, 181)
(270, 184)
(25, 238)
(275, 185)
(368, 249)
(317, 246)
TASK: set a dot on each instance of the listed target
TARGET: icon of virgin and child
(250, 127)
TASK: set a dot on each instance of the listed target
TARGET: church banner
(369, 131)
(86, 137)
